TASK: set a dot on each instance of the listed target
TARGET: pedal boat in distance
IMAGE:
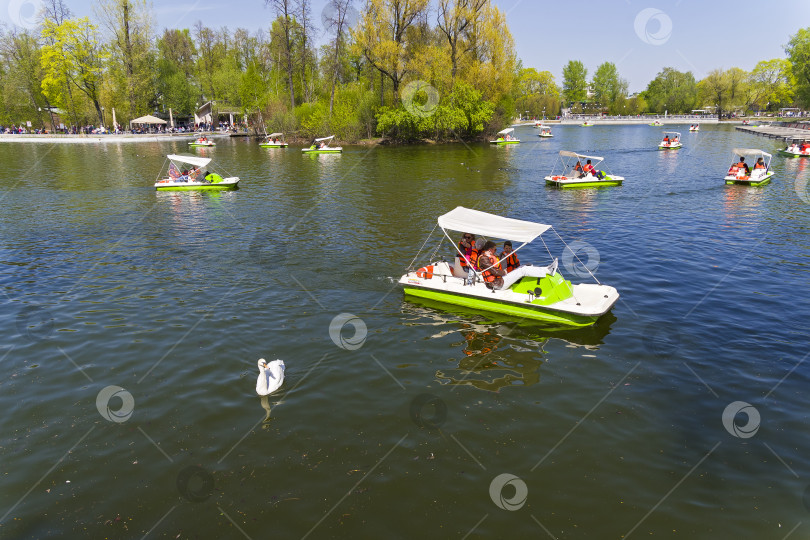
(505, 137)
(569, 177)
(321, 146)
(273, 141)
(546, 296)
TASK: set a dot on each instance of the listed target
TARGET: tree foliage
(575, 82)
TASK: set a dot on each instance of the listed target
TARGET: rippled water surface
(405, 429)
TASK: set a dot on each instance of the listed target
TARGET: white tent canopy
(672, 133)
(148, 119)
(275, 135)
(481, 223)
(567, 153)
(190, 160)
(750, 152)
(505, 131)
(326, 138)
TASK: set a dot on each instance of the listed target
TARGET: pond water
(134, 321)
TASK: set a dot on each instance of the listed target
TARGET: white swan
(271, 376)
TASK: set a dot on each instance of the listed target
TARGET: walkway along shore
(79, 139)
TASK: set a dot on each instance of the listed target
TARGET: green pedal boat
(753, 176)
(321, 146)
(191, 173)
(529, 292)
(505, 137)
(572, 173)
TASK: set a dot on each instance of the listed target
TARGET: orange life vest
(512, 262)
(463, 259)
(740, 165)
(474, 258)
(488, 275)
(759, 166)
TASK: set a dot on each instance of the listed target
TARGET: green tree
(130, 24)
(715, 87)
(609, 90)
(21, 80)
(384, 39)
(772, 84)
(76, 57)
(672, 91)
(575, 82)
(536, 92)
(282, 36)
(176, 83)
(798, 51)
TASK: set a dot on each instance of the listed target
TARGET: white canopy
(672, 133)
(191, 160)
(505, 131)
(567, 153)
(275, 134)
(750, 152)
(326, 138)
(481, 223)
(148, 119)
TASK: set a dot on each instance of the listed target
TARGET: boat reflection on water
(497, 351)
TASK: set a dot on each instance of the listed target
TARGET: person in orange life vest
(742, 165)
(666, 139)
(578, 169)
(465, 247)
(760, 164)
(589, 169)
(486, 262)
(511, 261)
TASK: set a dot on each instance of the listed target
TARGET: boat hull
(792, 154)
(761, 181)
(227, 183)
(274, 145)
(322, 151)
(676, 147)
(537, 313)
(564, 182)
(545, 136)
(196, 145)
(504, 142)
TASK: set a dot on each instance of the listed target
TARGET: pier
(785, 132)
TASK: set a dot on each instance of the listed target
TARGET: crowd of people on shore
(143, 129)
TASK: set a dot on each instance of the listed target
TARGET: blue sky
(639, 36)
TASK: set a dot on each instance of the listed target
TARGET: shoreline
(79, 139)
